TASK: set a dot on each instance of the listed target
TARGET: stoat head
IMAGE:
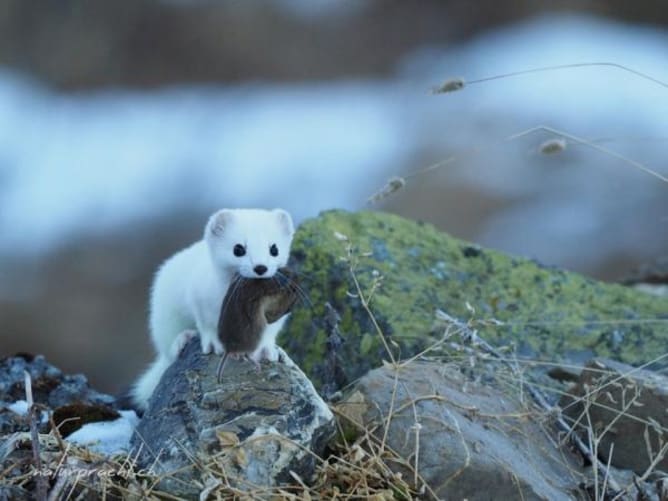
(253, 242)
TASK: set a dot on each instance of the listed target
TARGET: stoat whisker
(236, 282)
(304, 295)
(298, 289)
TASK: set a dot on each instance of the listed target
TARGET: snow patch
(19, 407)
(107, 437)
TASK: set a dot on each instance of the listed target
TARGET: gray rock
(252, 429)
(51, 388)
(14, 493)
(475, 442)
(607, 389)
(651, 278)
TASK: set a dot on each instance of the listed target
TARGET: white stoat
(189, 287)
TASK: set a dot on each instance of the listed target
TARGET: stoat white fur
(189, 287)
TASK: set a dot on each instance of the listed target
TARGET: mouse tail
(221, 367)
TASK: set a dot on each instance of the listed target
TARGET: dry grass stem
(541, 69)
(548, 147)
(575, 139)
(353, 260)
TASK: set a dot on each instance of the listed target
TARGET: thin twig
(364, 300)
(34, 415)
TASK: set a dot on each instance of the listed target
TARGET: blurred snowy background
(122, 126)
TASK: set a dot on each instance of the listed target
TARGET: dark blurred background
(124, 124)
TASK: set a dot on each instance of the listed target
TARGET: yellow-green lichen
(547, 312)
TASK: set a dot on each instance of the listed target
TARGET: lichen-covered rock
(252, 429)
(630, 404)
(545, 312)
(465, 440)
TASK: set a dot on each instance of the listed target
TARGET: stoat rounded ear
(218, 222)
(285, 220)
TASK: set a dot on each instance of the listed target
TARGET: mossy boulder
(410, 269)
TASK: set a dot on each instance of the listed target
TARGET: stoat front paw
(271, 353)
(265, 353)
(180, 342)
(212, 344)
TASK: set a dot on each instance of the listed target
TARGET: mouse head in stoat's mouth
(254, 243)
(249, 305)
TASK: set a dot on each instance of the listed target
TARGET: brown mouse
(249, 305)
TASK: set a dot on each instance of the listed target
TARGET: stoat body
(189, 287)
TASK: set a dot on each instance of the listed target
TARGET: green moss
(548, 313)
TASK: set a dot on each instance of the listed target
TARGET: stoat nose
(260, 269)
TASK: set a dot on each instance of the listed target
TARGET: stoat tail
(143, 389)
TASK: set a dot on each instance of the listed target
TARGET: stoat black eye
(273, 250)
(239, 250)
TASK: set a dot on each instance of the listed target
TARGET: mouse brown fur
(249, 305)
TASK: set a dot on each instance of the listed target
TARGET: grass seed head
(393, 185)
(556, 145)
(451, 85)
